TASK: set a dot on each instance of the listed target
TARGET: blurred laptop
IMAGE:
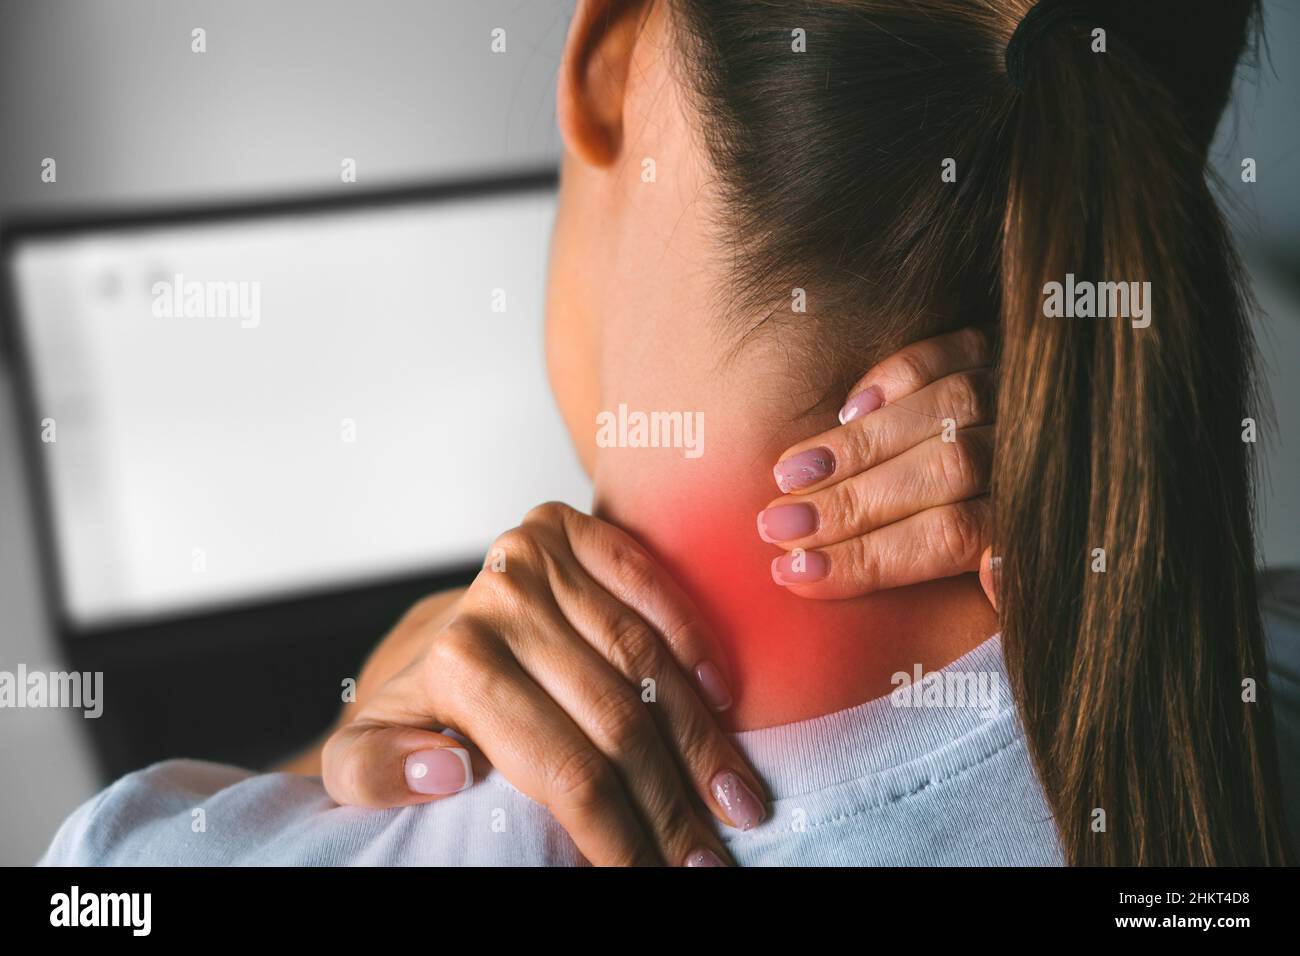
(259, 431)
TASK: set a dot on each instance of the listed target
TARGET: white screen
(206, 460)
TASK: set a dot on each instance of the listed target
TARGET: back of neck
(790, 658)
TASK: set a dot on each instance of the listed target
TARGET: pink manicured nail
(704, 858)
(742, 808)
(804, 469)
(715, 690)
(866, 401)
(787, 522)
(800, 567)
(441, 770)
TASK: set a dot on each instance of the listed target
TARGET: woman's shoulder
(195, 813)
(175, 813)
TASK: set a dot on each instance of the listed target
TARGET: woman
(773, 197)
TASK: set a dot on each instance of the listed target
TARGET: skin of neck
(790, 658)
(635, 317)
(662, 346)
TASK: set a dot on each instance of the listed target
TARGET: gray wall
(410, 89)
(286, 89)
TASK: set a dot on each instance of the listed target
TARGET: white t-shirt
(887, 783)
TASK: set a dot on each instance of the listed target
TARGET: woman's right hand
(583, 674)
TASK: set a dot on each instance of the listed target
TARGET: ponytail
(1122, 486)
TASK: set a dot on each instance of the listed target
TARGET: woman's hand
(898, 493)
(581, 671)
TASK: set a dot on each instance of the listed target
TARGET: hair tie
(1041, 17)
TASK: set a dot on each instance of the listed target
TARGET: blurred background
(281, 477)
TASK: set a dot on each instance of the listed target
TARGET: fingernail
(787, 522)
(866, 401)
(715, 690)
(800, 567)
(738, 802)
(804, 469)
(704, 858)
(441, 770)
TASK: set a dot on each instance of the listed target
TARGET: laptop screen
(238, 409)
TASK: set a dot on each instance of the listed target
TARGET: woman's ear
(593, 77)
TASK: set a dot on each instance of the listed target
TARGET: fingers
(369, 764)
(896, 494)
(615, 717)
(623, 569)
(933, 473)
(938, 542)
(530, 738)
(627, 591)
(468, 680)
(722, 778)
(958, 401)
(913, 367)
(552, 711)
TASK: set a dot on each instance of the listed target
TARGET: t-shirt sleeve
(177, 813)
(191, 813)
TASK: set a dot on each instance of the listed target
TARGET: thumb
(369, 764)
(990, 572)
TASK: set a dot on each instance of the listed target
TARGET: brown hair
(1129, 682)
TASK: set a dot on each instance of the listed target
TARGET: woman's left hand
(896, 494)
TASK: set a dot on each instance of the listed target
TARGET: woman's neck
(790, 658)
